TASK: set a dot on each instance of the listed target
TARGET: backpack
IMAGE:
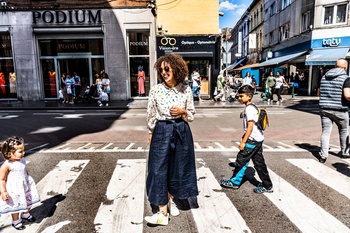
(263, 119)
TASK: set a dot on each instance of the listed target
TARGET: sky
(233, 10)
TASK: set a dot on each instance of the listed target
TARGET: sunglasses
(166, 69)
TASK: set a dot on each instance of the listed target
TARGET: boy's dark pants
(253, 150)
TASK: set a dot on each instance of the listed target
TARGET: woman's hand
(175, 111)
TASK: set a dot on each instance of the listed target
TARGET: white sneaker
(158, 219)
(100, 105)
(106, 105)
(173, 210)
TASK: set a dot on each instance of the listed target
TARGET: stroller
(92, 95)
(235, 86)
(266, 95)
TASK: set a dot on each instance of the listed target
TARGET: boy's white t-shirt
(251, 113)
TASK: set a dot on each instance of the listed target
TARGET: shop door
(80, 66)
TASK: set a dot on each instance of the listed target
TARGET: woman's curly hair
(10, 145)
(177, 64)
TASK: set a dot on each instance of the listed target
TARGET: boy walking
(250, 147)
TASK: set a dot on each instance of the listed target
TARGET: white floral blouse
(162, 98)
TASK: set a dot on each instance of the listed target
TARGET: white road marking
(7, 117)
(126, 192)
(37, 147)
(197, 146)
(70, 116)
(288, 146)
(129, 146)
(212, 215)
(326, 175)
(56, 182)
(301, 210)
(47, 130)
(219, 145)
(56, 227)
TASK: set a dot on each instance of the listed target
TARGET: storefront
(199, 52)
(42, 45)
(325, 52)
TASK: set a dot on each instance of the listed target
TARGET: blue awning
(329, 56)
(232, 66)
(282, 59)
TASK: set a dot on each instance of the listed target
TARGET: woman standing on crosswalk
(171, 162)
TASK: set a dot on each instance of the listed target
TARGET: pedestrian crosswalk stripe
(88, 147)
(326, 175)
(57, 181)
(301, 210)
(216, 213)
(125, 193)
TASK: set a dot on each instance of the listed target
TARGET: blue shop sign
(331, 42)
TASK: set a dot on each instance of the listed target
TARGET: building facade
(301, 39)
(191, 30)
(41, 40)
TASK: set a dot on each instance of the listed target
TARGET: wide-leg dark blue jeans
(171, 163)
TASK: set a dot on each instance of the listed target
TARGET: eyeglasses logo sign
(168, 41)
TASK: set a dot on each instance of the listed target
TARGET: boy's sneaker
(158, 219)
(173, 210)
(227, 183)
(260, 189)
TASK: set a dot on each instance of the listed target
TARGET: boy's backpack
(263, 119)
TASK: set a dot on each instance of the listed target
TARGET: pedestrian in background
(77, 84)
(64, 88)
(334, 95)
(247, 80)
(220, 85)
(17, 188)
(105, 94)
(171, 160)
(270, 86)
(196, 83)
(70, 88)
(280, 83)
(250, 147)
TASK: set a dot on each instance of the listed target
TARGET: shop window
(8, 82)
(138, 42)
(58, 56)
(305, 21)
(336, 14)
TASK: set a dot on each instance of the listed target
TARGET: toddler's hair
(246, 89)
(10, 145)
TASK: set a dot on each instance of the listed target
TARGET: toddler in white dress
(17, 188)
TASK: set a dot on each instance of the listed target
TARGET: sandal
(29, 219)
(227, 183)
(19, 226)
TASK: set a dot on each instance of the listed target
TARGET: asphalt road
(90, 168)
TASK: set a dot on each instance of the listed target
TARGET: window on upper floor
(273, 9)
(272, 37)
(335, 14)
(285, 3)
(284, 32)
(305, 21)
